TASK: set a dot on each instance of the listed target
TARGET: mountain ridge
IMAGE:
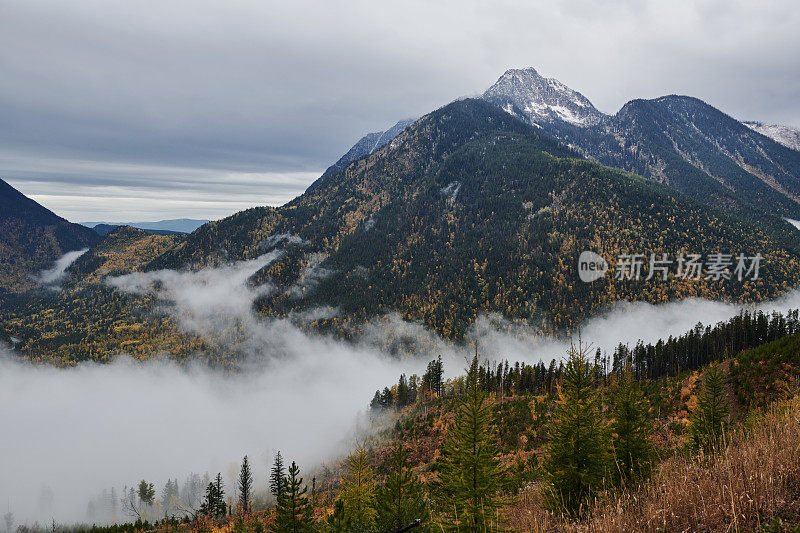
(677, 140)
(785, 135)
(365, 146)
(726, 163)
(32, 237)
(174, 225)
(470, 211)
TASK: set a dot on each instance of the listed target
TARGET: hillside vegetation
(32, 238)
(467, 212)
(570, 447)
(470, 211)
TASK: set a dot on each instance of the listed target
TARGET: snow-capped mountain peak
(526, 93)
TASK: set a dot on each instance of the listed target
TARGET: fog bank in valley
(57, 272)
(77, 431)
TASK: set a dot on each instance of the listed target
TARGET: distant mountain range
(32, 238)
(161, 227)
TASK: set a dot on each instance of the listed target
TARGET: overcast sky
(119, 110)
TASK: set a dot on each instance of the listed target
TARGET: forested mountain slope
(32, 237)
(87, 319)
(676, 140)
(471, 210)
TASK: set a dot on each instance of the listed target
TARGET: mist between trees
(71, 436)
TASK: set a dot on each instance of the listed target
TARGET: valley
(413, 336)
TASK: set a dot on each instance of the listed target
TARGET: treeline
(695, 349)
(408, 390)
(701, 346)
(598, 440)
(141, 502)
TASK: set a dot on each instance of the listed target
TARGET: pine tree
(358, 490)
(400, 500)
(276, 476)
(402, 392)
(338, 522)
(294, 512)
(245, 486)
(432, 378)
(577, 456)
(220, 496)
(630, 429)
(469, 471)
(208, 507)
(376, 403)
(214, 503)
(146, 492)
(170, 497)
(710, 418)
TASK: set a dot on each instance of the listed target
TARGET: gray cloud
(283, 88)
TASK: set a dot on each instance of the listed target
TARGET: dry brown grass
(755, 481)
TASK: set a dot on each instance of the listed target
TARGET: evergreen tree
(710, 418)
(358, 490)
(146, 493)
(376, 403)
(294, 512)
(170, 497)
(630, 429)
(208, 507)
(577, 456)
(432, 378)
(338, 522)
(214, 503)
(469, 471)
(402, 392)
(276, 476)
(400, 500)
(245, 486)
(219, 490)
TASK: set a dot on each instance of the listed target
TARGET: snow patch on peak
(785, 135)
(542, 99)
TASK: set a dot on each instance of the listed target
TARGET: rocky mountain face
(679, 141)
(539, 100)
(32, 238)
(785, 135)
(367, 145)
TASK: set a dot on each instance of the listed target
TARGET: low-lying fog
(71, 433)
